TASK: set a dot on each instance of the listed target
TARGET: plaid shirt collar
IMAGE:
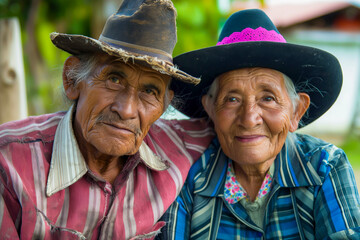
(292, 169)
(68, 165)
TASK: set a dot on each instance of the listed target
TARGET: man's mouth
(119, 127)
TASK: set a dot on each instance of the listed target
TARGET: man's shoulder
(30, 129)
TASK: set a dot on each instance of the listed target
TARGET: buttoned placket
(110, 191)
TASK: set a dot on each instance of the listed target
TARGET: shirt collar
(234, 192)
(292, 168)
(210, 182)
(68, 164)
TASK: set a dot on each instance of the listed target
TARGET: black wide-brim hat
(250, 39)
(141, 31)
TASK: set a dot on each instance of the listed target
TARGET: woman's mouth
(249, 138)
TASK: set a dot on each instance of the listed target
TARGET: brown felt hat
(143, 31)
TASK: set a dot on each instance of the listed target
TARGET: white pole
(13, 105)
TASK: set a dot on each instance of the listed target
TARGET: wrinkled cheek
(280, 140)
(279, 128)
(140, 136)
(223, 138)
(278, 123)
(218, 131)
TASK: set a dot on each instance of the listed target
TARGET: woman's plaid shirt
(313, 196)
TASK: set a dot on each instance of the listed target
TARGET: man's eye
(113, 82)
(150, 91)
(114, 79)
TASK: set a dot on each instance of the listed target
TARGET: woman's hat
(250, 39)
(143, 31)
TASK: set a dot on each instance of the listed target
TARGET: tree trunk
(12, 81)
(37, 66)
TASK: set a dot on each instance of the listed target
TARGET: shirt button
(253, 207)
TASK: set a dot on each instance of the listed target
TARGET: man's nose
(126, 104)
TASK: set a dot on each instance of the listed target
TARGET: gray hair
(85, 69)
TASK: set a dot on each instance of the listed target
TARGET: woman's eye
(269, 98)
(231, 99)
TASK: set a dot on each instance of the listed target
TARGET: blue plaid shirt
(314, 196)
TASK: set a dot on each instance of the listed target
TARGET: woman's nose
(250, 115)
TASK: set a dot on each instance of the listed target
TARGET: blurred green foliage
(197, 22)
(351, 146)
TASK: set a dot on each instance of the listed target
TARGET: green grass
(352, 150)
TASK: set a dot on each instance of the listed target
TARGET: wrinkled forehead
(252, 76)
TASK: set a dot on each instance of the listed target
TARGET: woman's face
(252, 114)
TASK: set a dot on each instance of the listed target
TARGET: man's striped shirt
(48, 192)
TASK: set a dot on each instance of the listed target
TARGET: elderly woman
(259, 179)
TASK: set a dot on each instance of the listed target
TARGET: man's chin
(117, 148)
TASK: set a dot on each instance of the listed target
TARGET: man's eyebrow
(152, 86)
(118, 72)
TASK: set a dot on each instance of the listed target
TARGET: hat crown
(143, 26)
(250, 18)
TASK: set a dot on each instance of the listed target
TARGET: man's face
(116, 106)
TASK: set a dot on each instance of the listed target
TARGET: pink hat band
(249, 34)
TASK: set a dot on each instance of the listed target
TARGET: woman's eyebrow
(269, 86)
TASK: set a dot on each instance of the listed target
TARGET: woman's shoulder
(206, 160)
(319, 152)
(310, 144)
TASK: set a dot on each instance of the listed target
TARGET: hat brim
(317, 72)
(79, 44)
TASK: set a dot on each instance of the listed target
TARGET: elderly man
(104, 169)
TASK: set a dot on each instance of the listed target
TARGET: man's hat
(143, 31)
(250, 39)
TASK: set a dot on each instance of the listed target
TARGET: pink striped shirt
(48, 192)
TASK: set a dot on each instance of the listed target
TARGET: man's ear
(208, 106)
(303, 105)
(71, 91)
(170, 95)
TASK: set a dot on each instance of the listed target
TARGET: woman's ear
(71, 91)
(208, 105)
(303, 105)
